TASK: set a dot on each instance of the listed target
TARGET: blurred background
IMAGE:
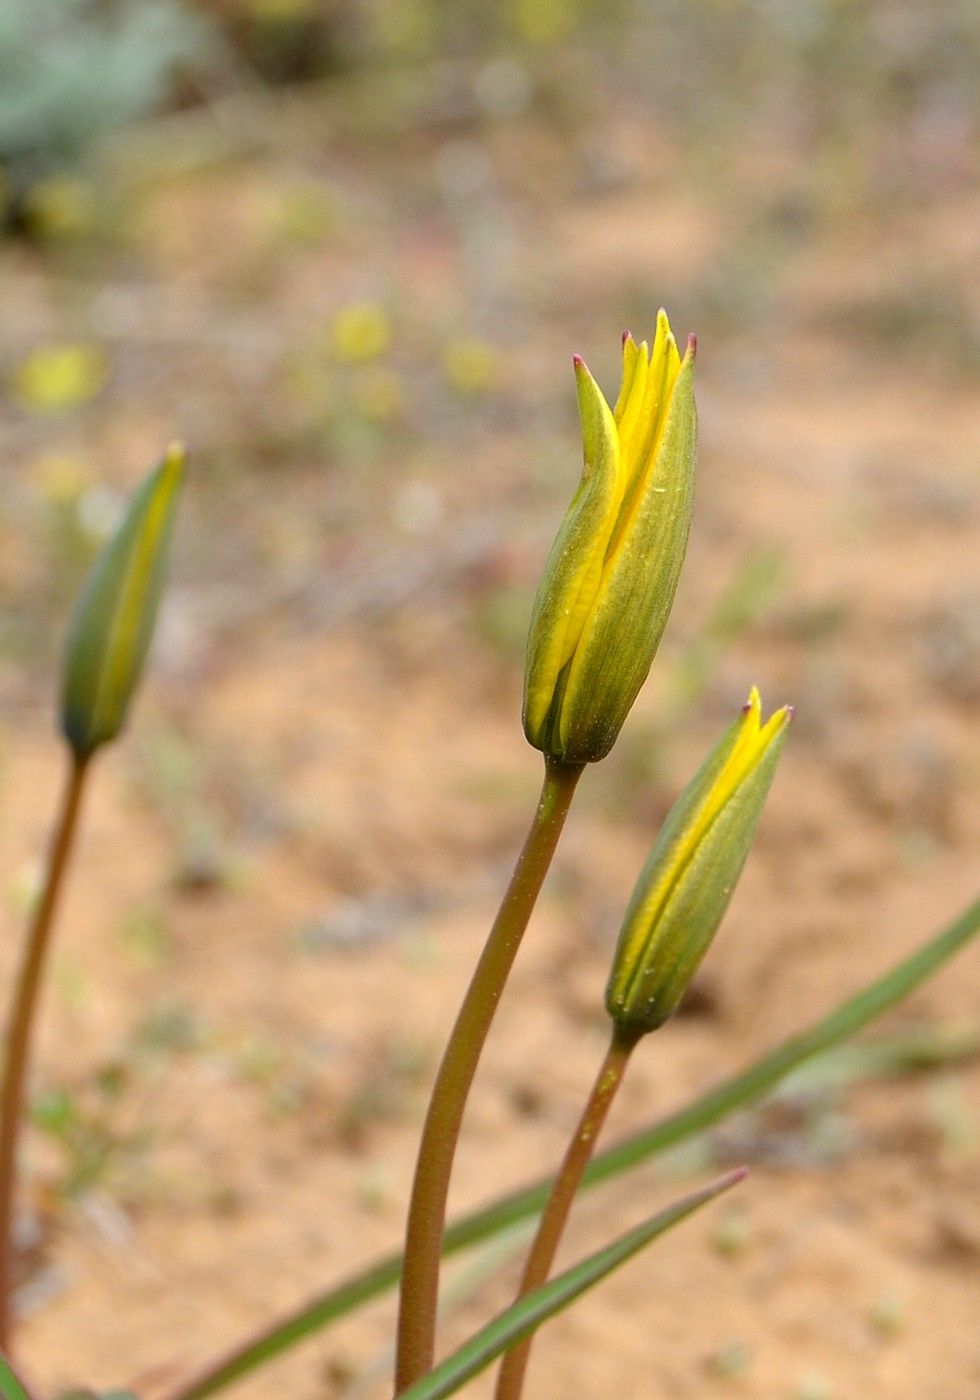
(346, 251)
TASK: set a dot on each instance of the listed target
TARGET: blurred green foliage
(71, 70)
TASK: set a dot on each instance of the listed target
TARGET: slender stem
(430, 1189)
(551, 1226)
(21, 1024)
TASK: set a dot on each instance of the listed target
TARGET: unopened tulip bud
(688, 880)
(609, 583)
(116, 614)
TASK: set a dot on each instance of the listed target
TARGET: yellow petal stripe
(643, 422)
(750, 745)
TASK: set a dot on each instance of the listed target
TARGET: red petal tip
(692, 345)
(578, 362)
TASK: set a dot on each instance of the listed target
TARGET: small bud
(687, 882)
(114, 620)
(609, 583)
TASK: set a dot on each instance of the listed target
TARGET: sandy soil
(287, 868)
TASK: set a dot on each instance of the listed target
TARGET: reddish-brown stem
(22, 1016)
(430, 1189)
(551, 1226)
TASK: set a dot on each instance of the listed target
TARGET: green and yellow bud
(113, 624)
(609, 583)
(687, 882)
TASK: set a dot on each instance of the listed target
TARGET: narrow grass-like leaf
(91, 1395)
(528, 1313)
(116, 614)
(10, 1387)
(737, 1092)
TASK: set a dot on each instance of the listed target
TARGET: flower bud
(609, 583)
(684, 888)
(113, 624)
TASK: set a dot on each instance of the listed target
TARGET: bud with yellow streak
(610, 579)
(688, 880)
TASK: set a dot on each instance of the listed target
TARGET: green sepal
(621, 636)
(574, 565)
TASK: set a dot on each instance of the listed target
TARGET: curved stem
(430, 1189)
(22, 1015)
(551, 1226)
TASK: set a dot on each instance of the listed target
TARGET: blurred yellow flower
(55, 378)
(305, 214)
(62, 206)
(360, 332)
(471, 366)
(60, 479)
(544, 21)
(276, 11)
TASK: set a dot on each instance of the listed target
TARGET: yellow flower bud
(113, 623)
(610, 579)
(684, 888)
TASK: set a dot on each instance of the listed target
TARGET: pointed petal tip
(175, 457)
(753, 703)
(692, 346)
(625, 338)
(578, 362)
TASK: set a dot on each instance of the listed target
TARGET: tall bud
(609, 582)
(113, 625)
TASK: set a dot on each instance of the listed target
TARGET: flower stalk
(418, 1306)
(105, 654)
(554, 1217)
(21, 1025)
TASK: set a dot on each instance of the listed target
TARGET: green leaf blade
(528, 1314)
(11, 1388)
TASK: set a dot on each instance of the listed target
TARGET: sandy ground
(287, 869)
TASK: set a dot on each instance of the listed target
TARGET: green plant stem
(22, 1016)
(737, 1092)
(554, 1217)
(430, 1189)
